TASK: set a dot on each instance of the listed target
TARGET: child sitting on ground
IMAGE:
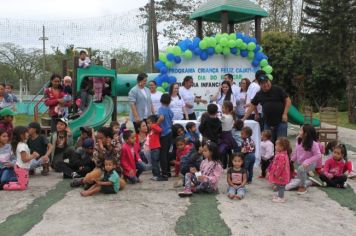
(279, 172)
(248, 149)
(210, 170)
(210, 126)
(182, 150)
(333, 173)
(237, 177)
(85, 132)
(131, 162)
(7, 160)
(192, 135)
(109, 183)
(267, 152)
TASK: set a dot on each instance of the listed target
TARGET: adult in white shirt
(250, 94)
(241, 98)
(189, 98)
(224, 94)
(155, 96)
(234, 88)
(177, 104)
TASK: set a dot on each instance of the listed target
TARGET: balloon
(218, 37)
(233, 51)
(159, 65)
(163, 70)
(191, 46)
(268, 69)
(197, 51)
(212, 42)
(203, 44)
(261, 50)
(165, 85)
(255, 63)
(163, 57)
(183, 45)
(244, 53)
(204, 55)
(239, 43)
(225, 35)
(251, 55)
(263, 62)
(170, 57)
(253, 40)
(161, 89)
(243, 46)
(226, 51)
(164, 78)
(223, 42)
(258, 56)
(169, 49)
(211, 51)
(169, 64)
(172, 79)
(258, 48)
(196, 42)
(188, 43)
(231, 43)
(270, 77)
(158, 80)
(218, 49)
(188, 54)
(177, 51)
(232, 36)
(251, 46)
(177, 59)
(239, 35)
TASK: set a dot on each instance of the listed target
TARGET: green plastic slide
(295, 117)
(96, 116)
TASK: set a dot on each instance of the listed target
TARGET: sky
(65, 9)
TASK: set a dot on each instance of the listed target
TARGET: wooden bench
(328, 125)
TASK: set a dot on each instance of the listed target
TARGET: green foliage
(128, 62)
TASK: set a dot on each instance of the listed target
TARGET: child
(210, 170)
(8, 90)
(306, 155)
(98, 84)
(154, 145)
(7, 160)
(210, 126)
(109, 184)
(165, 120)
(61, 109)
(130, 159)
(236, 134)
(192, 135)
(248, 149)
(118, 129)
(39, 143)
(182, 150)
(267, 152)
(237, 177)
(85, 132)
(6, 121)
(84, 60)
(23, 159)
(333, 173)
(279, 173)
(227, 143)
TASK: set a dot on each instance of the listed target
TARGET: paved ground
(51, 207)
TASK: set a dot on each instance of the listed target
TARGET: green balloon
(177, 51)
(243, 46)
(218, 49)
(268, 69)
(161, 89)
(188, 54)
(226, 51)
(232, 43)
(203, 44)
(163, 57)
(251, 55)
(212, 42)
(169, 64)
(232, 36)
(218, 37)
(261, 49)
(224, 41)
(251, 46)
(170, 49)
(270, 77)
(165, 85)
(239, 43)
(225, 35)
(263, 63)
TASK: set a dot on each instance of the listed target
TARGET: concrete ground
(51, 207)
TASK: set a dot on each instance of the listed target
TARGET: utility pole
(44, 38)
(149, 40)
(154, 32)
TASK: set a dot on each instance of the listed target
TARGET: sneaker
(75, 175)
(76, 183)
(31, 172)
(345, 185)
(162, 178)
(311, 173)
(324, 184)
(352, 175)
(301, 190)
(278, 200)
(186, 193)
(316, 181)
(154, 178)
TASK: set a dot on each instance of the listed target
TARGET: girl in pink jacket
(279, 173)
(333, 173)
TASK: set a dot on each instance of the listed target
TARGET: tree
(128, 61)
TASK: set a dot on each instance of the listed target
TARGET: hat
(85, 129)
(262, 78)
(63, 120)
(6, 112)
(87, 143)
(35, 126)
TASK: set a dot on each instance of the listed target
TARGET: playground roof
(238, 11)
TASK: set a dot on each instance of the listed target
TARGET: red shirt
(334, 168)
(51, 100)
(129, 157)
(154, 136)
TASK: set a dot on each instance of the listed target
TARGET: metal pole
(44, 38)
(21, 85)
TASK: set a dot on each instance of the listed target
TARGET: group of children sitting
(105, 162)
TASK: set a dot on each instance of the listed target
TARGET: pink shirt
(334, 168)
(302, 156)
(212, 170)
(280, 169)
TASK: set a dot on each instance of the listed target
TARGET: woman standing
(241, 98)
(53, 97)
(155, 96)
(224, 94)
(140, 101)
(177, 103)
(188, 97)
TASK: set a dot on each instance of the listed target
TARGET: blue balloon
(255, 63)
(159, 65)
(210, 51)
(246, 39)
(189, 44)
(204, 55)
(244, 53)
(172, 79)
(239, 35)
(196, 42)
(158, 80)
(163, 70)
(259, 56)
(183, 45)
(165, 78)
(197, 51)
(170, 57)
(177, 59)
(257, 49)
(253, 39)
(233, 51)
(191, 47)
(265, 57)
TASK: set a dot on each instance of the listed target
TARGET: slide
(96, 115)
(295, 117)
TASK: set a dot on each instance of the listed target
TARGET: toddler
(84, 60)
(237, 178)
(182, 150)
(267, 152)
(248, 149)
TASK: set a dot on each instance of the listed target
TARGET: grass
(22, 119)
(345, 197)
